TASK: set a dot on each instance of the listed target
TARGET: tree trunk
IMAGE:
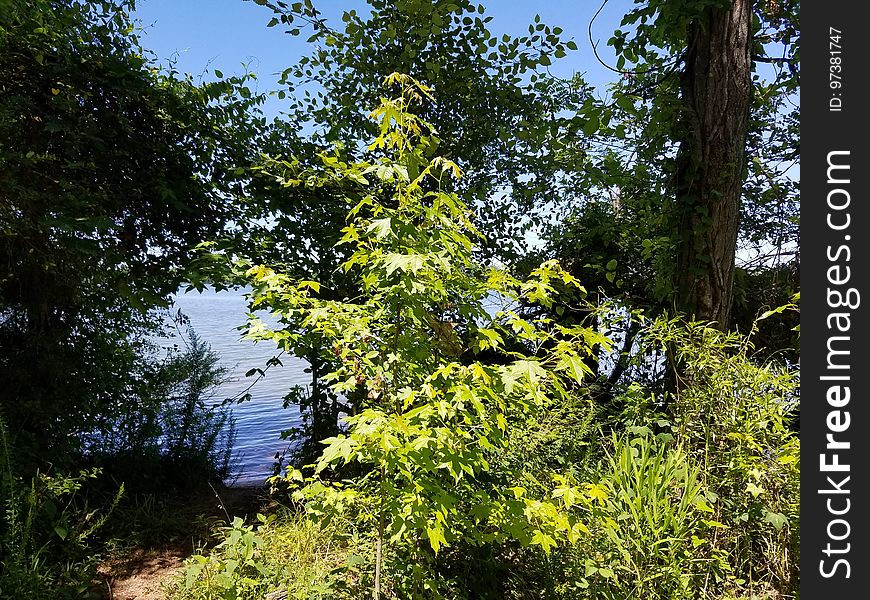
(716, 93)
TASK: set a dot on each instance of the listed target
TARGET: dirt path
(141, 573)
(142, 576)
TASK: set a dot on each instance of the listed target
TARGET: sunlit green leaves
(778, 520)
(427, 425)
(528, 372)
(574, 366)
(436, 537)
(406, 263)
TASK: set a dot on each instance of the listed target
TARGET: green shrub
(177, 436)
(432, 412)
(734, 420)
(47, 532)
(281, 552)
(184, 449)
(699, 497)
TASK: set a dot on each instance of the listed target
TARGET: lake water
(215, 317)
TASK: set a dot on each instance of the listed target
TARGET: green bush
(47, 532)
(182, 448)
(697, 497)
(177, 436)
(734, 419)
(284, 551)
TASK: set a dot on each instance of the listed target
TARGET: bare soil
(140, 573)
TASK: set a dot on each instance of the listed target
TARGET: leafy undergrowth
(479, 463)
(283, 551)
(152, 537)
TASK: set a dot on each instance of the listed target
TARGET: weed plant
(48, 532)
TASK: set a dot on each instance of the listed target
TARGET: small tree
(197, 436)
(430, 417)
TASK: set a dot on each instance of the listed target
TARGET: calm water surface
(215, 317)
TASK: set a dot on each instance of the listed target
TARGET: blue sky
(204, 35)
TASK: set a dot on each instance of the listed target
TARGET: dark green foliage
(105, 162)
(494, 117)
(47, 531)
(110, 172)
(172, 432)
(617, 250)
(765, 289)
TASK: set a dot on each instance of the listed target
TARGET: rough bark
(716, 92)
